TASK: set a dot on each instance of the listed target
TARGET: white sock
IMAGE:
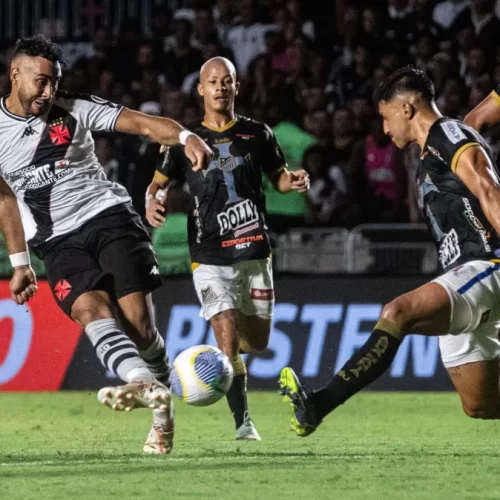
(117, 352)
(156, 359)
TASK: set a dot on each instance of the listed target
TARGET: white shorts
(474, 291)
(246, 286)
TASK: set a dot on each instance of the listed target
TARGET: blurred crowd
(312, 86)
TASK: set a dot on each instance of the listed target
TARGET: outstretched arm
(166, 132)
(487, 112)
(477, 172)
(23, 282)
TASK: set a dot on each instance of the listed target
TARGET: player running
(96, 251)
(460, 193)
(228, 236)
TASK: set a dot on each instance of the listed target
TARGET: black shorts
(111, 252)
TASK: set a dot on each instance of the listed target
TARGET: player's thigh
(257, 288)
(473, 290)
(219, 289)
(71, 273)
(126, 253)
(477, 384)
(425, 310)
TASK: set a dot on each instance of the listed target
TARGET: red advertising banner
(37, 342)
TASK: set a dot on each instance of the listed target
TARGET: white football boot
(127, 397)
(160, 440)
(247, 430)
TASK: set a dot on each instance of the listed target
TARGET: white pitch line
(177, 459)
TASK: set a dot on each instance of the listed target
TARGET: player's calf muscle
(226, 330)
(255, 332)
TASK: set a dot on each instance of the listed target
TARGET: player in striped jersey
(97, 253)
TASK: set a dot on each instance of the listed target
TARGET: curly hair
(38, 46)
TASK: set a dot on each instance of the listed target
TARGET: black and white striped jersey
(49, 163)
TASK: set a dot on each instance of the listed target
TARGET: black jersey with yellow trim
(227, 217)
(454, 215)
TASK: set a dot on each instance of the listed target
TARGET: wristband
(184, 135)
(20, 259)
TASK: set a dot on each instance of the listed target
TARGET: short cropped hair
(408, 79)
(38, 46)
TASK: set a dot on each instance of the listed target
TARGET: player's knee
(482, 411)
(94, 311)
(398, 312)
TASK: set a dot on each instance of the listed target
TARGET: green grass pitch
(378, 446)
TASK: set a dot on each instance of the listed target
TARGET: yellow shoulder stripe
(161, 176)
(458, 153)
(495, 96)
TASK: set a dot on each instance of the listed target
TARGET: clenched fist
(198, 152)
(22, 284)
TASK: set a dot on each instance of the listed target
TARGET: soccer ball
(201, 375)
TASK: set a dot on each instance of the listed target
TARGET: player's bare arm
(156, 205)
(23, 283)
(166, 132)
(477, 173)
(487, 112)
(284, 181)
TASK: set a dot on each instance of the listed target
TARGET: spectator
(328, 92)
(480, 17)
(160, 23)
(476, 66)
(421, 20)
(287, 211)
(373, 30)
(354, 80)
(361, 112)
(225, 20)
(319, 124)
(203, 28)
(172, 104)
(451, 100)
(425, 49)
(247, 39)
(328, 200)
(343, 137)
(379, 174)
(181, 57)
(295, 9)
(446, 12)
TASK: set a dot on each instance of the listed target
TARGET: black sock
(365, 366)
(237, 398)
